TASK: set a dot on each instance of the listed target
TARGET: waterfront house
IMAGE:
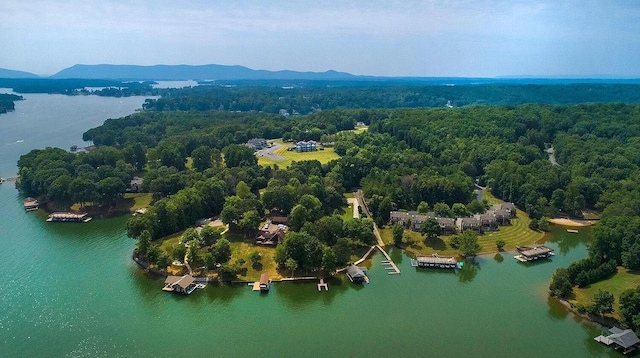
(624, 339)
(399, 217)
(306, 146)
(447, 226)
(257, 143)
(468, 224)
(508, 207)
(180, 284)
(356, 274)
(488, 221)
(271, 238)
(503, 217)
(135, 185)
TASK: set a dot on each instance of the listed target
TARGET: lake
(73, 290)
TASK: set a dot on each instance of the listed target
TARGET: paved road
(268, 153)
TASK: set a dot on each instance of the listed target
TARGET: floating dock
(322, 285)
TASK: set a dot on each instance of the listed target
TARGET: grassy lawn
(516, 234)
(323, 156)
(140, 200)
(242, 247)
(621, 281)
(348, 212)
(360, 130)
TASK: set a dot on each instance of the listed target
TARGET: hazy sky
(387, 38)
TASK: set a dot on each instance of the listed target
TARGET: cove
(73, 290)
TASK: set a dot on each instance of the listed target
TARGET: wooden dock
(389, 262)
(322, 285)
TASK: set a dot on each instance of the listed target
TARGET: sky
(430, 38)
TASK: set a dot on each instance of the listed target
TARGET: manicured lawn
(621, 281)
(323, 156)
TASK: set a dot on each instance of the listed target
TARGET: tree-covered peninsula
(7, 102)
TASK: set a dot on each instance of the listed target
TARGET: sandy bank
(571, 222)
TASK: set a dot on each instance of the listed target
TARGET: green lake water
(73, 290)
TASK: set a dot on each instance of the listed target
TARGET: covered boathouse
(435, 261)
(357, 274)
(68, 217)
(180, 284)
(265, 282)
(530, 253)
(623, 339)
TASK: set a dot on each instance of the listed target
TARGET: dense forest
(307, 98)
(408, 158)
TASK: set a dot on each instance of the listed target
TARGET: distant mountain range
(257, 77)
(5, 73)
(188, 72)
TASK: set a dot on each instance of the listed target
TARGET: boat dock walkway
(390, 262)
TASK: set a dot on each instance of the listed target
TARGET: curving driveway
(268, 153)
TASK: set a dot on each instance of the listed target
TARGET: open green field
(516, 234)
(621, 281)
(323, 156)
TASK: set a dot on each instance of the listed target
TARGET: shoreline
(571, 222)
(603, 322)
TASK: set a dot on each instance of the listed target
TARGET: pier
(322, 285)
(393, 267)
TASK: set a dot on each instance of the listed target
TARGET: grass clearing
(140, 200)
(323, 156)
(621, 281)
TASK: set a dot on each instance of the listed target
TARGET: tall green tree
(469, 245)
(398, 233)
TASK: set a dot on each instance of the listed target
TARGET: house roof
(534, 251)
(625, 338)
(437, 260)
(355, 271)
(264, 279)
(181, 281)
